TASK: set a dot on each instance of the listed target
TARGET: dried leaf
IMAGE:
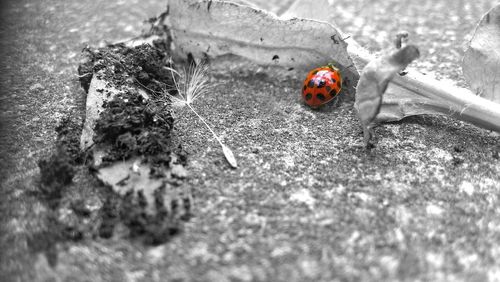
(95, 100)
(217, 28)
(132, 175)
(100, 91)
(481, 63)
(229, 156)
(374, 81)
(135, 177)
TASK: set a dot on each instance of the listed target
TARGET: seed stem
(206, 124)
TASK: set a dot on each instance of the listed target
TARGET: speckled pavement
(307, 203)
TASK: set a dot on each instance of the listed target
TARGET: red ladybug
(321, 86)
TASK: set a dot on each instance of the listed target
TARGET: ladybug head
(333, 66)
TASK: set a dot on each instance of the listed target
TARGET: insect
(321, 85)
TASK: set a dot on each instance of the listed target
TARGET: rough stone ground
(423, 205)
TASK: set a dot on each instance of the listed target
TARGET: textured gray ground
(423, 205)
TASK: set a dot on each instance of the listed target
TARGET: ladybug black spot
(333, 92)
(308, 96)
(328, 88)
(321, 83)
(321, 97)
(310, 83)
(305, 87)
(339, 85)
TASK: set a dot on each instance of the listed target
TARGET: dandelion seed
(193, 85)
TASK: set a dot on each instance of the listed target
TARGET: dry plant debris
(374, 81)
(138, 168)
(212, 29)
(133, 152)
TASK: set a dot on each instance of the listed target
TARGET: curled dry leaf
(217, 28)
(481, 63)
(374, 81)
(418, 94)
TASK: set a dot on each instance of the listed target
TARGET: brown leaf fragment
(373, 83)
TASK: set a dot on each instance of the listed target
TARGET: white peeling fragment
(281, 251)
(467, 188)
(36, 86)
(403, 215)
(468, 260)
(155, 254)
(436, 260)
(289, 161)
(440, 154)
(335, 191)
(390, 263)
(493, 274)
(354, 237)
(399, 236)
(136, 166)
(363, 196)
(303, 196)
(310, 268)
(433, 209)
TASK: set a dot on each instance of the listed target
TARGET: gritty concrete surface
(307, 203)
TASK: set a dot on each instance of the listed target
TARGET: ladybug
(321, 85)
